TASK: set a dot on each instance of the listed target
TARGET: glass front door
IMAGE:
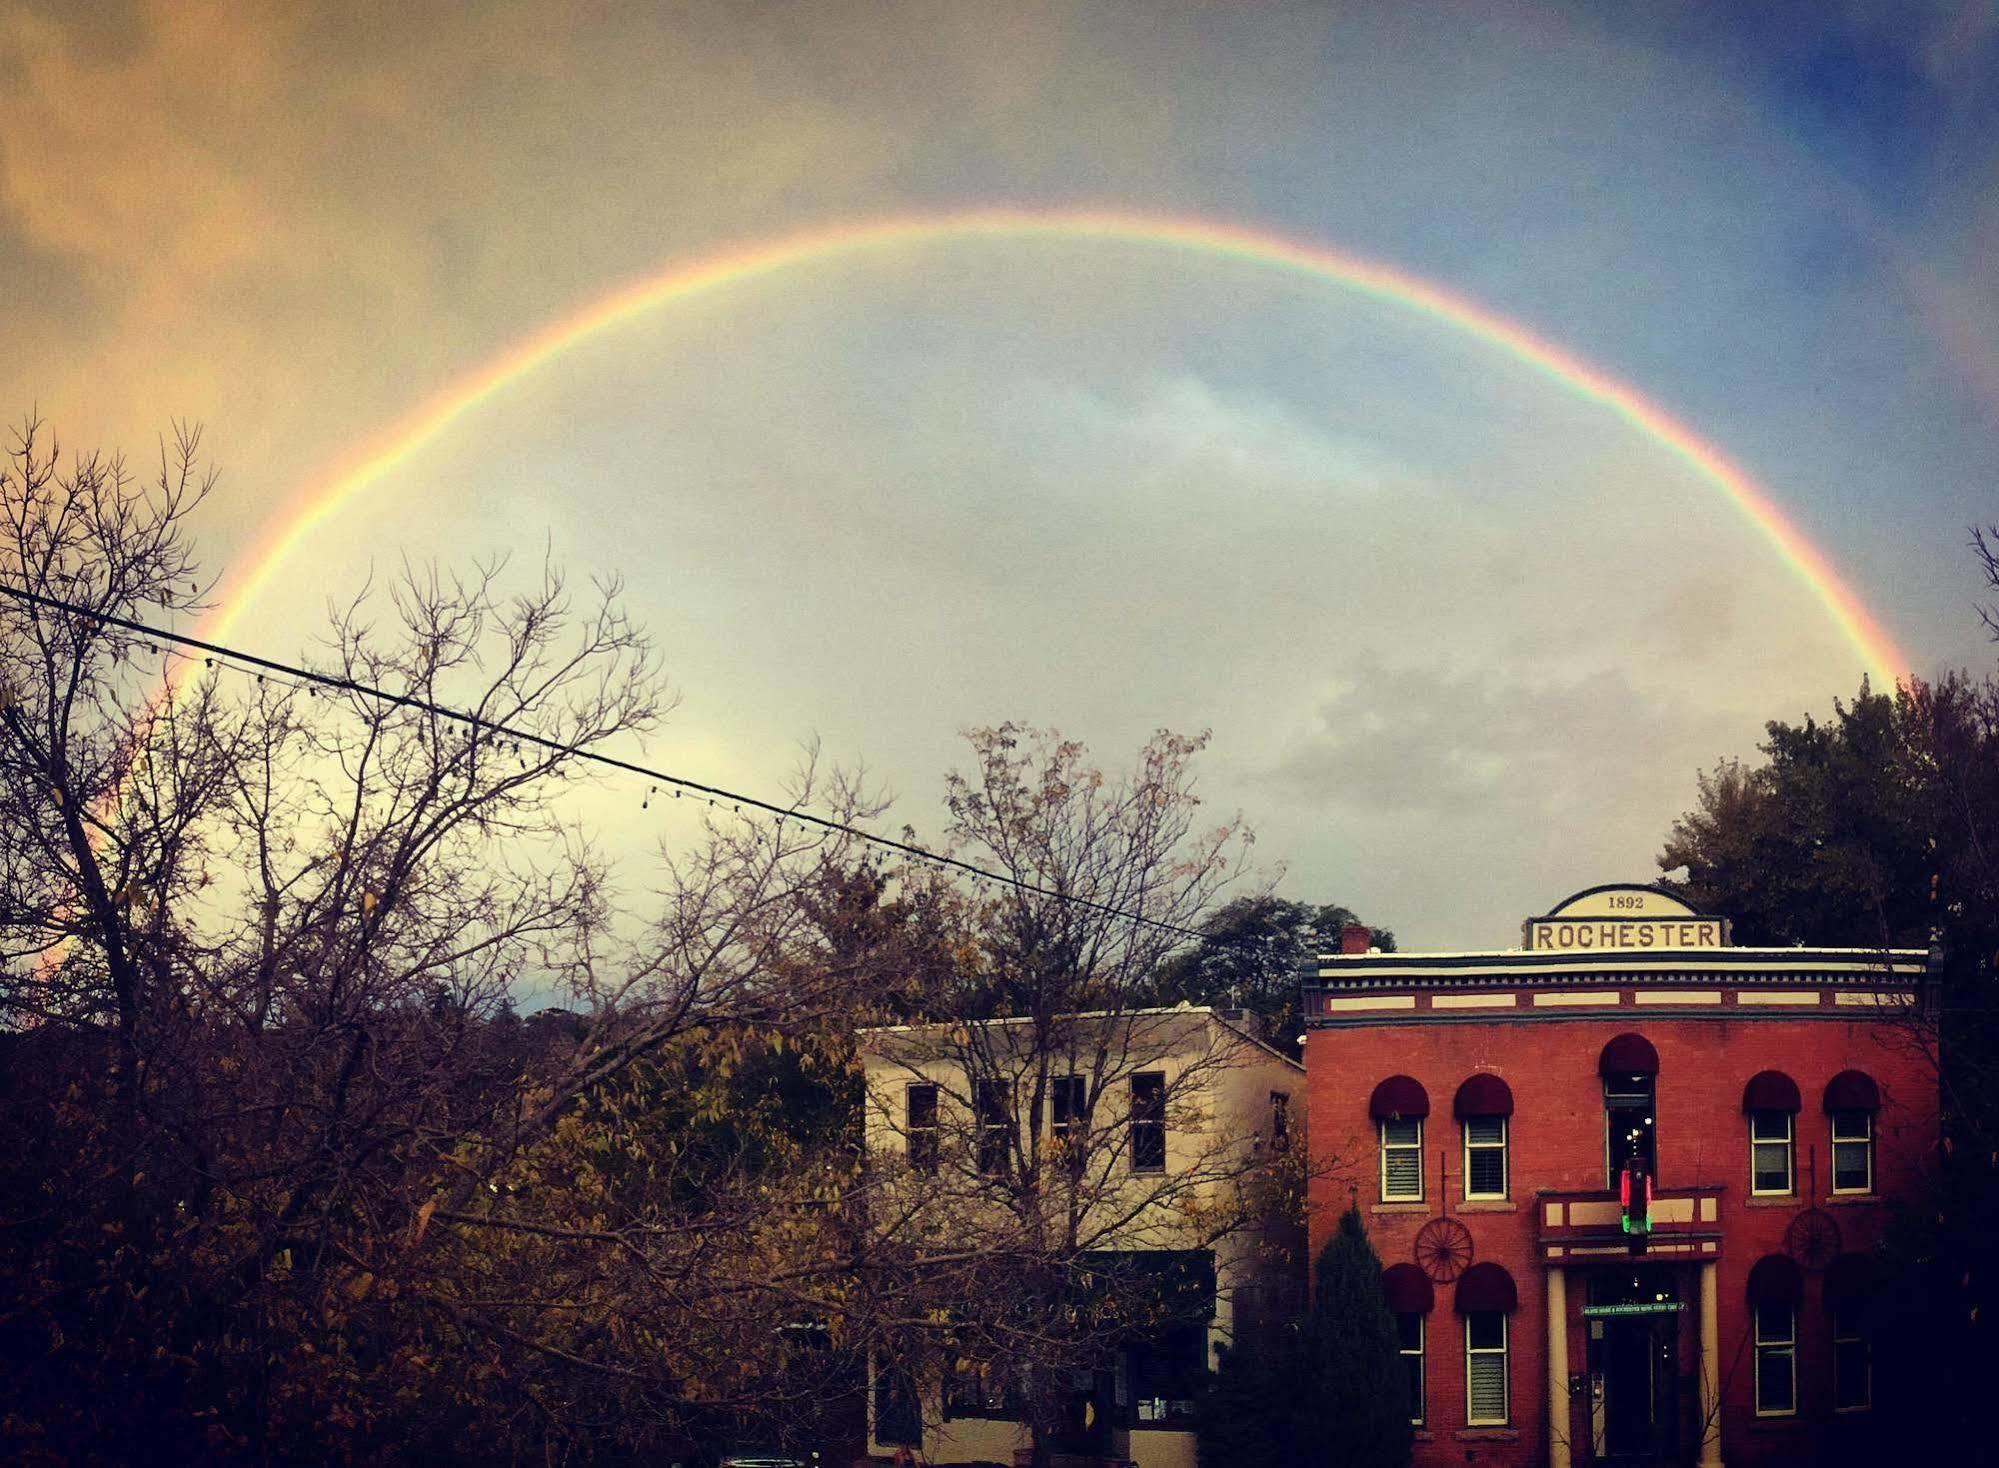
(1633, 1325)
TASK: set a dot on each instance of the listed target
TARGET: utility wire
(255, 663)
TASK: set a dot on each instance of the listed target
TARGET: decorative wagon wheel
(1812, 1238)
(1443, 1249)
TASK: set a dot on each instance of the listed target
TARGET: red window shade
(1770, 1090)
(1408, 1290)
(1399, 1098)
(1485, 1286)
(1628, 1055)
(1852, 1090)
(1776, 1279)
(1482, 1095)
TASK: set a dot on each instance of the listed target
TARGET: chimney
(1355, 938)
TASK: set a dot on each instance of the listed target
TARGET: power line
(239, 660)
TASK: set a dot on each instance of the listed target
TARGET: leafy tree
(1354, 1353)
(1258, 1407)
(1328, 1390)
(1828, 840)
(1252, 952)
(1878, 828)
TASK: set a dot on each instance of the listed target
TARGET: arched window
(1485, 1297)
(1630, 1070)
(1851, 1099)
(1770, 1101)
(1398, 1106)
(1775, 1285)
(1483, 1106)
(1410, 1299)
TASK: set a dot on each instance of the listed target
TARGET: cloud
(1430, 740)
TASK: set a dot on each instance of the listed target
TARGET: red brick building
(1485, 1108)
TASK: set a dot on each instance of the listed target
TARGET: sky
(1464, 638)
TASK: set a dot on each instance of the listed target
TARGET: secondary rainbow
(404, 438)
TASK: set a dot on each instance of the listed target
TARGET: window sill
(1413, 1206)
(1488, 1205)
(1772, 1200)
(1774, 1422)
(1849, 1200)
(1487, 1434)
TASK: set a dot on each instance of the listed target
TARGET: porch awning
(1180, 1282)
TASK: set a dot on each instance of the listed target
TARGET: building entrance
(1632, 1320)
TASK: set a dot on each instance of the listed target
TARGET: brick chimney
(1354, 938)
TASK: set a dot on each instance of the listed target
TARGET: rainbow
(404, 438)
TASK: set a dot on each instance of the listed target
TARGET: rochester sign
(1616, 917)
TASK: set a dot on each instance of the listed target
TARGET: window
(898, 1414)
(919, 1129)
(1628, 1124)
(994, 1105)
(1068, 1105)
(1280, 1122)
(1402, 1160)
(1485, 1369)
(1166, 1372)
(1853, 1151)
(1852, 1361)
(1409, 1327)
(1148, 1122)
(1770, 1152)
(1485, 1157)
(975, 1389)
(1776, 1360)
(1068, 1118)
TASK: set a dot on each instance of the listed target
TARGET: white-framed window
(1770, 1153)
(1068, 1105)
(1409, 1329)
(1485, 1368)
(1148, 1121)
(1402, 1160)
(992, 1104)
(1280, 1121)
(1485, 1157)
(920, 1125)
(1853, 1151)
(1852, 1361)
(1776, 1360)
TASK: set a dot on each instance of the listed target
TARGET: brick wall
(1556, 1140)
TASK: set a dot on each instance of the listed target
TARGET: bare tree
(261, 941)
(1047, 1134)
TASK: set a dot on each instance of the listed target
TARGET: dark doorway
(1633, 1320)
